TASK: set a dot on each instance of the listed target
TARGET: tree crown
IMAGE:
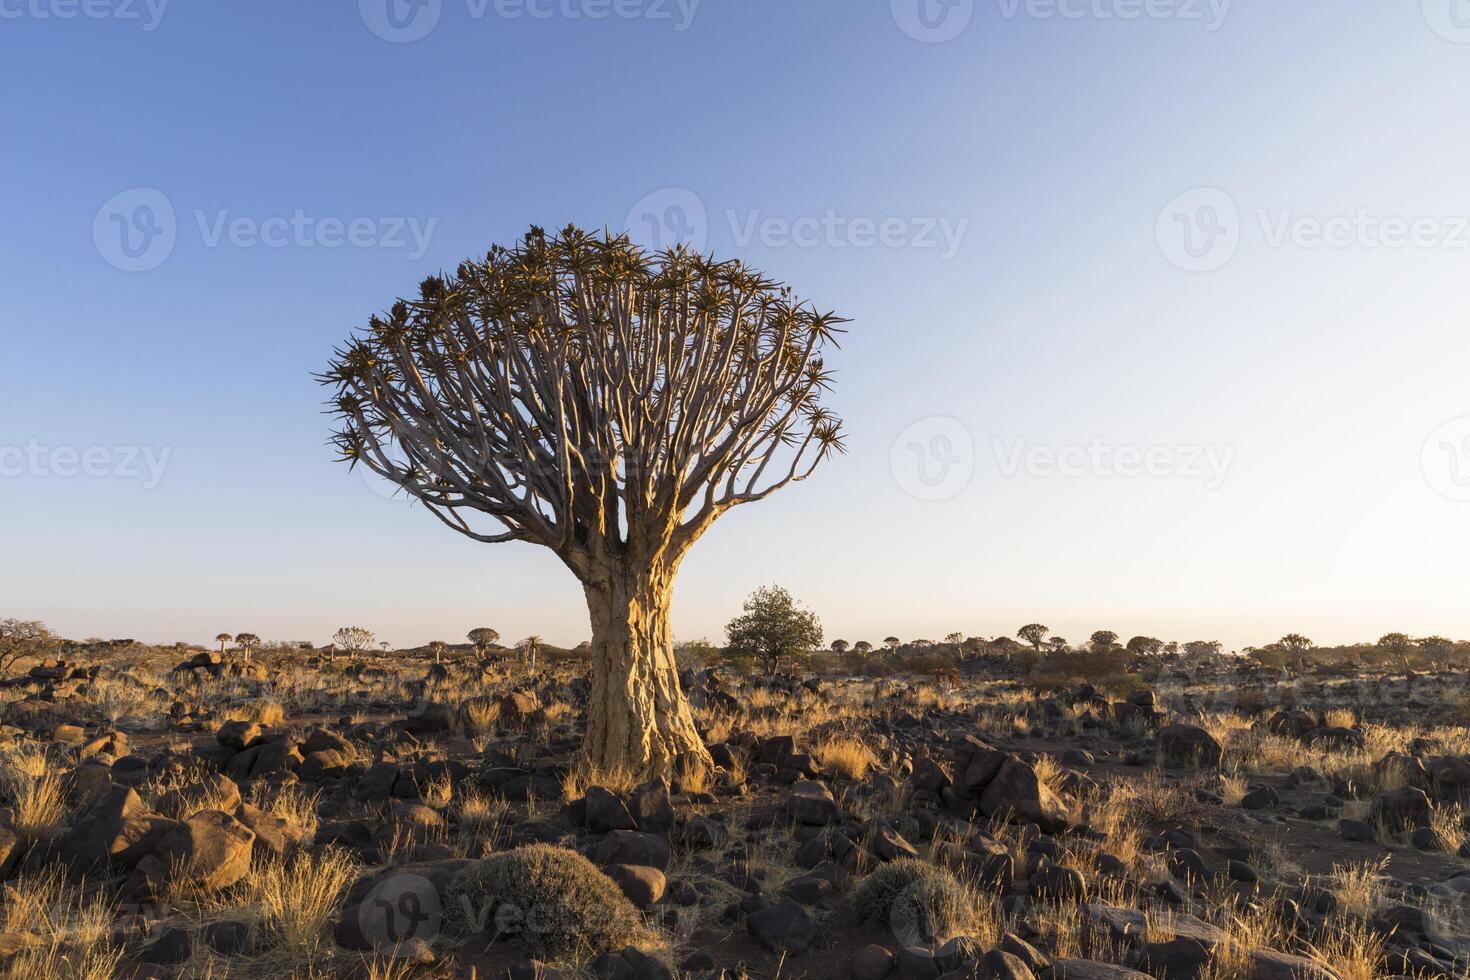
(589, 397)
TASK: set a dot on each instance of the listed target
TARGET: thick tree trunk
(637, 718)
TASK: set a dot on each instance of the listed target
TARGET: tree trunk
(637, 718)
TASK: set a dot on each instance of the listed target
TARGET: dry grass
(72, 932)
(30, 784)
(262, 712)
(298, 901)
(1352, 951)
(293, 804)
(64, 963)
(845, 757)
(1359, 888)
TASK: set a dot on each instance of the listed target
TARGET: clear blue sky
(1059, 317)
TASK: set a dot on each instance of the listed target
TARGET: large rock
(1189, 745)
(1016, 792)
(116, 829)
(275, 837)
(1401, 809)
(811, 803)
(209, 851)
(652, 808)
(1268, 964)
(784, 928)
(238, 735)
(606, 811)
(643, 885)
(212, 791)
(1091, 970)
(633, 847)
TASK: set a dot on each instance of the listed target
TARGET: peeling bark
(638, 719)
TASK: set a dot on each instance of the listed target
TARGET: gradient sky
(1056, 148)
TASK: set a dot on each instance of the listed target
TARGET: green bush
(558, 902)
(918, 901)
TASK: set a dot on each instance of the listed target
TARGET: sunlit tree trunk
(637, 717)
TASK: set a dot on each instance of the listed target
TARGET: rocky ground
(393, 817)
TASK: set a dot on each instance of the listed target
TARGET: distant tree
(1103, 639)
(1397, 646)
(839, 646)
(891, 642)
(921, 644)
(1437, 650)
(353, 639)
(863, 646)
(1202, 649)
(24, 638)
(247, 642)
(955, 638)
(1296, 646)
(1034, 634)
(223, 639)
(529, 648)
(1145, 645)
(438, 649)
(1272, 655)
(773, 626)
(483, 637)
(1057, 643)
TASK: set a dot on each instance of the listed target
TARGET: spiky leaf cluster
(588, 396)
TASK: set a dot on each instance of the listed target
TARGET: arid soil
(189, 815)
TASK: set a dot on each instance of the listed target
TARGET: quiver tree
(579, 394)
(247, 642)
(483, 637)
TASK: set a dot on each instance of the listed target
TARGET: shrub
(559, 902)
(920, 902)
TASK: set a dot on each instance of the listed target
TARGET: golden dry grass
(298, 901)
(30, 784)
(845, 757)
